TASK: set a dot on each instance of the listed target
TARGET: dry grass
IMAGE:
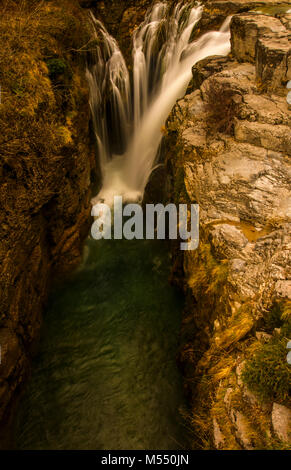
(210, 274)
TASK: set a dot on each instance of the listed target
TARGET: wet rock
(44, 192)
(120, 19)
(5, 396)
(274, 61)
(10, 352)
(88, 3)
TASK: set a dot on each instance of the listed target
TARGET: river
(106, 376)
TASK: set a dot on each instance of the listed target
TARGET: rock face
(266, 41)
(228, 148)
(45, 168)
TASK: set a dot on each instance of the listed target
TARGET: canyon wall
(47, 163)
(228, 148)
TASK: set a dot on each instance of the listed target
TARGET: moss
(56, 67)
(267, 373)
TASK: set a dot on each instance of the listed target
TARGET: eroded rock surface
(228, 148)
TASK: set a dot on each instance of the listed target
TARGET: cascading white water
(163, 57)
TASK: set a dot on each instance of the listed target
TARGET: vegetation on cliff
(40, 91)
(46, 159)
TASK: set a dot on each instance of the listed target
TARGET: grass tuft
(267, 373)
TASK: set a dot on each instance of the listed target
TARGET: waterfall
(129, 112)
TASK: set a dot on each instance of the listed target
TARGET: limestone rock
(246, 28)
(283, 289)
(277, 138)
(241, 179)
(265, 41)
(281, 421)
(238, 265)
(239, 370)
(219, 439)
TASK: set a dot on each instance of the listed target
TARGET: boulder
(246, 28)
(281, 421)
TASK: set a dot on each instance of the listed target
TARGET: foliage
(210, 274)
(267, 373)
(56, 67)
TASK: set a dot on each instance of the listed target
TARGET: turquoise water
(106, 375)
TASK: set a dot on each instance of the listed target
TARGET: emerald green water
(106, 375)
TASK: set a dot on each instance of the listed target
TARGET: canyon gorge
(172, 102)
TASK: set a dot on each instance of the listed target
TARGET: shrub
(268, 374)
(56, 67)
